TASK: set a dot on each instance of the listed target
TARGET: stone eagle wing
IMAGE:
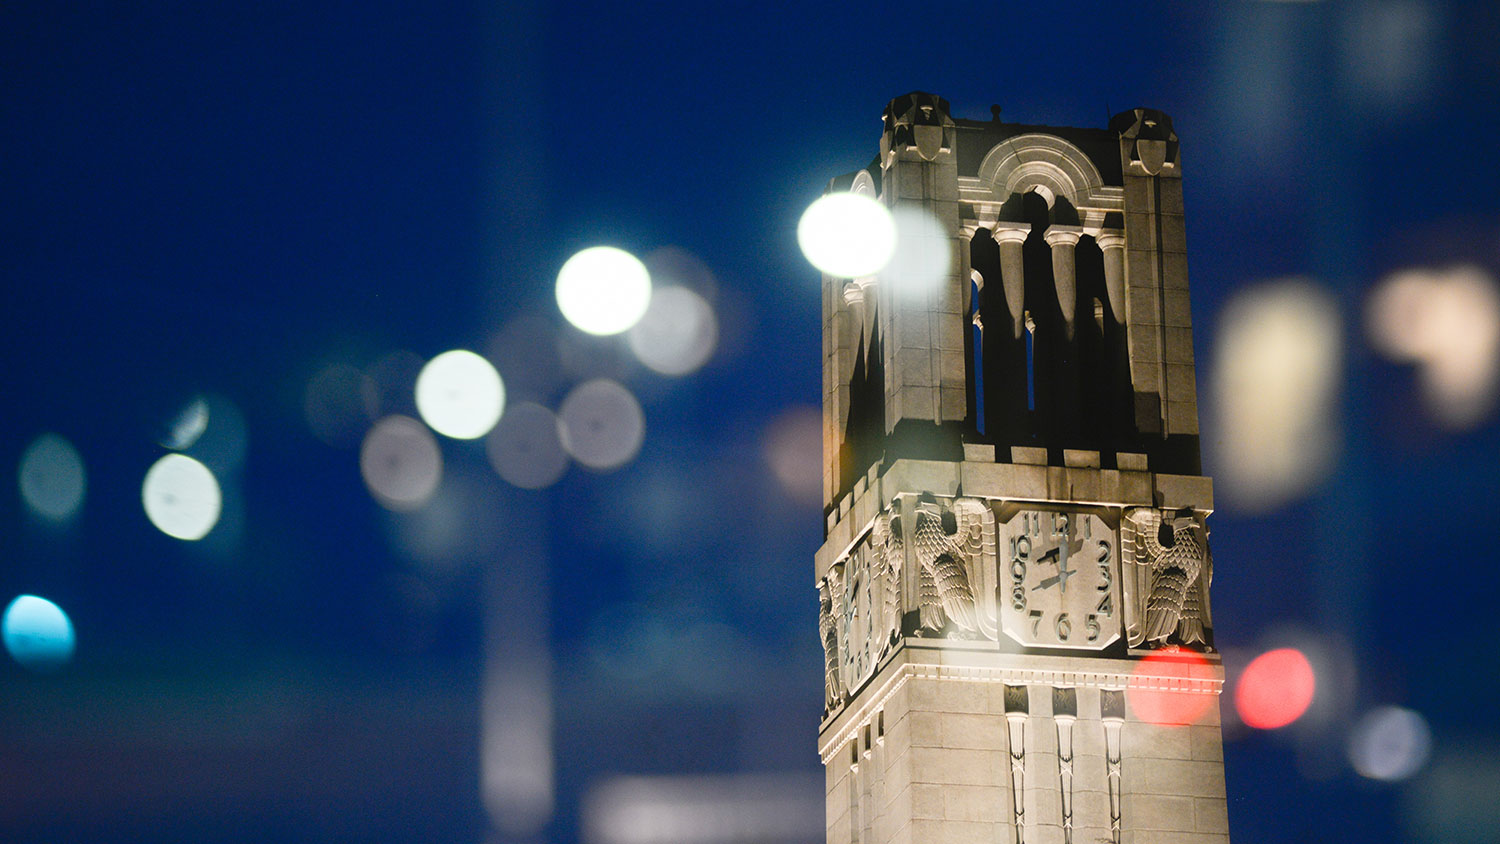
(1140, 548)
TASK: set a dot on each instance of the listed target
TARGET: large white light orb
(401, 463)
(603, 290)
(847, 235)
(460, 395)
(182, 497)
(52, 478)
(37, 633)
(602, 424)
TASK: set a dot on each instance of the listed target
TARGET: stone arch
(1027, 162)
(864, 185)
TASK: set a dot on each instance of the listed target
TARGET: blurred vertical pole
(516, 759)
(1341, 239)
(516, 731)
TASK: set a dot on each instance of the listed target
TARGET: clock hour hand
(1060, 579)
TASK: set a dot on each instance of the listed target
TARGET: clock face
(1059, 580)
(856, 617)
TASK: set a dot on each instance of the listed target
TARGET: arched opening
(864, 434)
(1053, 364)
(1000, 356)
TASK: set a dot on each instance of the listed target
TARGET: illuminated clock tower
(1014, 589)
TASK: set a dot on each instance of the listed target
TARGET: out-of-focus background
(233, 234)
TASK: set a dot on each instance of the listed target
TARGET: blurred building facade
(1014, 584)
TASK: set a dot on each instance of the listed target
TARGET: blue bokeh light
(37, 633)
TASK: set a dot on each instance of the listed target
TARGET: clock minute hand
(1052, 556)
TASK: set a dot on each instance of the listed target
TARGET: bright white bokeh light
(401, 463)
(460, 395)
(923, 257)
(678, 333)
(1390, 743)
(182, 497)
(1276, 373)
(601, 424)
(603, 290)
(52, 478)
(1447, 322)
(847, 235)
(37, 633)
(526, 449)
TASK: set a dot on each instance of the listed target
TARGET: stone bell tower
(1014, 589)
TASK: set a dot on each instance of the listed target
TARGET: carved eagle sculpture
(886, 545)
(1167, 576)
(830, 593)
(945, 540)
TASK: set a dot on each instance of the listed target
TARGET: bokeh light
(847, 235)
(1169, 688)
(188, 425)
(603, 290)
(1275, 689)
(392, 385)
(678, 333)
(602, 424)
(37, 633)
(924, 253)
(1390, 743)
(460, 395)
(526, 448)
(793, 448)
(336, 404)
(1448, 323)
(1276, 369)
(401, 463)
(181, 497)
(52, 478)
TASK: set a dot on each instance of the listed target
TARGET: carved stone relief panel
(856, 619)
(954, 551)
(1062, 579)
(1167, 572)
(860, 608)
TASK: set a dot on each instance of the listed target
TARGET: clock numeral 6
(1063, 626)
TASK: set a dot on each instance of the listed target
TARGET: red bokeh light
(1276, 688)
(1158, 691)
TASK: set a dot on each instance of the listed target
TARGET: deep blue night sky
(226, 198)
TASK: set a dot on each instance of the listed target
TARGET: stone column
(1062, 239)
(1010, 237)
(1112, 244)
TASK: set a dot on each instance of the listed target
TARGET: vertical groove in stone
(1016, 706)
(1064, 714)
(1112, 712)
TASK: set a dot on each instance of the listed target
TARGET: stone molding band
(1010, 676)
